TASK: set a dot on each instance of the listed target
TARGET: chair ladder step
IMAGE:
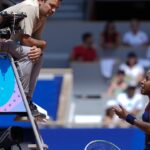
(26, 119)
(34, 147)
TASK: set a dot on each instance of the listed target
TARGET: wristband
(130, 119)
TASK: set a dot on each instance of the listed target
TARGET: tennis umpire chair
(12, 96)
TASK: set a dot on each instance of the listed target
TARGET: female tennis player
(143, 124)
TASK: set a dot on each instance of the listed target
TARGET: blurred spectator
(135, 37)
(86, 51)
(110, 120)
(131, 100)
(133, 71)
(109, 38)
(118, 84)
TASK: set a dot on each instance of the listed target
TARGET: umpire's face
(48, 7)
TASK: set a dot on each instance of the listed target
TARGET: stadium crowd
(124, 83)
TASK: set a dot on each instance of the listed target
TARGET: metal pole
(31, 118)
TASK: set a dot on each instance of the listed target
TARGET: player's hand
(35, 53)
(120, 111)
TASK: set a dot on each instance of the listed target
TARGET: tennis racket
(101, 145)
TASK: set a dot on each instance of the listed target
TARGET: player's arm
(145, 126)
(123, 114)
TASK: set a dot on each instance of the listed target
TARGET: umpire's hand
(35, 53)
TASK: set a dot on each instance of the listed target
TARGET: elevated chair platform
(26, 119)
(40, 120)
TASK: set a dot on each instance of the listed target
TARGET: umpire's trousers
(29, 70)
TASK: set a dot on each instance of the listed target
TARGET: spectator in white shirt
(131, 100)
(135, 37)
(133, 71)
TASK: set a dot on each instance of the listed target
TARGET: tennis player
(143, 124)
